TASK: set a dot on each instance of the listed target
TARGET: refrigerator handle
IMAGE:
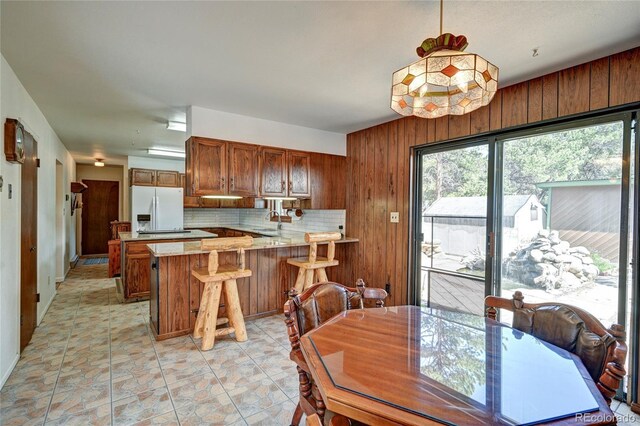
(153, 212)
(157, 209)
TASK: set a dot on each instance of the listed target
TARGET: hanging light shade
(445, 81)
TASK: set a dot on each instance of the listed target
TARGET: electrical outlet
(10, 191)
(395, 217)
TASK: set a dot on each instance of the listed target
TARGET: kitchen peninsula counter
(135, 255)
(175, 293)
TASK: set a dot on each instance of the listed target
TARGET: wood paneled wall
(378, 158)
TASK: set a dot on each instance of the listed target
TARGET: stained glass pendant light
(445, 81)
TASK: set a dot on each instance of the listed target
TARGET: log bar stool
(312, 270)
(215, 277)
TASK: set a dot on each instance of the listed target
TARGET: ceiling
(108, 75)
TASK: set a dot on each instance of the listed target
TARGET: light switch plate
(395, 217)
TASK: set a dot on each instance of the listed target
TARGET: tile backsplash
(311, 221)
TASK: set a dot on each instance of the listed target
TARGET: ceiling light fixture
(445, 81)
(166, 152)
(177, 126)
(221, 197)
(280, 198)
(99, 162)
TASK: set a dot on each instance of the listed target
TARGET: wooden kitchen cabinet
(299, 168)
(206, 167)
(142, 177)
(273, 172)
(243, 169)
(188, 202)
(168, 178)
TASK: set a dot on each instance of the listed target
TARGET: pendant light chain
(441, 13)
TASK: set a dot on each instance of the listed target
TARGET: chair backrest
(602, 351)
(313, 238)
(321, 302)
(230, 243)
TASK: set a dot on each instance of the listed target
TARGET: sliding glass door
(548, 212)
(562, 217)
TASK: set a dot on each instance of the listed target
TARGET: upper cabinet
(243, 169)
(299, 165)
(188, 202)
(217, 167)
(168, 178)
(150, 177)
(206, 167)
(142, 177)
(273, 176)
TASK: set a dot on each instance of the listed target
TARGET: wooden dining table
(413, 366)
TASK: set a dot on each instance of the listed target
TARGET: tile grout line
(64, 354)
(164, 379)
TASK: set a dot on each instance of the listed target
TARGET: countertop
(263, 230)
(194, 234)
(288, 239)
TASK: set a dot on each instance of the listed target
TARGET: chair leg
(234, 311)
(199, 327)
(297, 415)
(211, 316)
(299, 285)
(322, 275)
(309, 279)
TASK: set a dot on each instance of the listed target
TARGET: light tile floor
(94, 361)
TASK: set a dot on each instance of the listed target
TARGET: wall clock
(13, 141)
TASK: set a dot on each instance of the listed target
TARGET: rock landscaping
(550, 263)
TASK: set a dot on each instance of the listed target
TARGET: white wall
(241, 128)
(155, 163)
(15, 102)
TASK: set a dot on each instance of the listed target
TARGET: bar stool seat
(216, 279)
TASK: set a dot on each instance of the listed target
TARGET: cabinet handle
(231, 183)
(222, 183)
(283, 186)
(290, 186)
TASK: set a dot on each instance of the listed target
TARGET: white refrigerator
(156, 208)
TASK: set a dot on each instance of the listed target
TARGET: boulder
(582, 250)
(554, 237)
(549, 257)
(543, 233)
(567, 279)
(587, 260)
(536, 255)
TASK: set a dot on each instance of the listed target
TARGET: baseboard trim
(74, 262)
(9, 371)
(59, 280)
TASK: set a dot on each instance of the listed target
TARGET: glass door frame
(630, 116)
(416, 236)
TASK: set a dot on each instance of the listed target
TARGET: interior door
(452, 227)
(28, 242)
(100, 206)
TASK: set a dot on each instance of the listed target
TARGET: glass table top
(474, 370)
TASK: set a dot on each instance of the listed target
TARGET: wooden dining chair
(308, 310)
(602, 350)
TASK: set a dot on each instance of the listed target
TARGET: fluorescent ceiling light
(177, 126)
(99, 163)
(222, 197)
(280, 198)
(165, 153)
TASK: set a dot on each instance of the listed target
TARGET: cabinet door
(137, 275)
(299, 174)
(167, 178)
(209, 203)
(188, 202)
(273, 172)
(142, 177)
(208, 166)
(243, 169)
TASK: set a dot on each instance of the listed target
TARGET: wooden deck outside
(453, 292)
